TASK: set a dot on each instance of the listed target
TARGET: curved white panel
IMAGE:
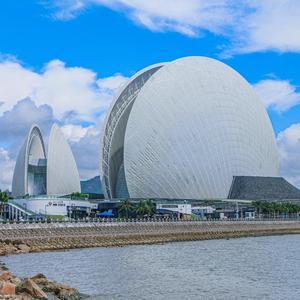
(19, 177)
(193, 126)
(31, 152)
(112, 138)
(62, 173)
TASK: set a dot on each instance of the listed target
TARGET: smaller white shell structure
(31, 160)
(36, 174)
(62, 172)
(183, 130)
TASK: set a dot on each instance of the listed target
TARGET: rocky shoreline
(36, 287)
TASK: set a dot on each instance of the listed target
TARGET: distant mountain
(91, 186)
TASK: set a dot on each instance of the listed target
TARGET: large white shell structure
(35, 175)
(182, 130)
(62, 173)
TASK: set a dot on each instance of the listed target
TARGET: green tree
(126, 208)
(259, 206)
(141, 208)
(3, 201)
(77, 195)
(275, 208)
(151, 207)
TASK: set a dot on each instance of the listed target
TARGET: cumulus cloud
(272, 25)
(288, 142)
(249, 25)
(186, 17)
(68, 90)
(6, 169)
(73, 97)
(74, 132)
(86, 151)
(278, 95)
(110, 85)
(14, 124)
(17, 83)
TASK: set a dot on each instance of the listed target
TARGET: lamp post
(45, 211)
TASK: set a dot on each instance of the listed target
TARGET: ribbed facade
(112, 150)
(193, 125)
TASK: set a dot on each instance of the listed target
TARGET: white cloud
(6, 169)
(74, 97)
(86, 151)
(273, 25)
(288, 142)
(188, 17)
(110, 85)
(74, 132)
(249, 25)
(17, 83)
(14, 124)
(67, 9)
(70, 91)
(279, 95)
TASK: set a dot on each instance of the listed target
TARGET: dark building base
(262, 188)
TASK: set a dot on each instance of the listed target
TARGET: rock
(5, 276)
(7, 249)
(36, 287)
(2, 265)
(24, 248)
(15, 280)
(30, 287)
(39, 278)
(61, 291)
(10, 248)
(23, 296)
(7, 288)
(69, 294)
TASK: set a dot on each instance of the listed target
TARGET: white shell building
(37, 174)
(182, 130)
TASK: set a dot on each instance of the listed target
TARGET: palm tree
(280, 209)
(141, 208)
(293, 209)
(258, 206)
(267, 208)
(275, 208)
(150, 207)
(126, 207)
(3, 200)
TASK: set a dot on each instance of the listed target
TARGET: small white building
(202, 211)
(55, 206)
(185, 209)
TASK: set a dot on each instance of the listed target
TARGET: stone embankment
(36, 287)
(36, 237)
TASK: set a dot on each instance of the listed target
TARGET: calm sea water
(245, 268)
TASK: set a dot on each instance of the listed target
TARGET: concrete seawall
(22, 238)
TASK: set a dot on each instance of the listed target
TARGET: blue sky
(63, 61)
